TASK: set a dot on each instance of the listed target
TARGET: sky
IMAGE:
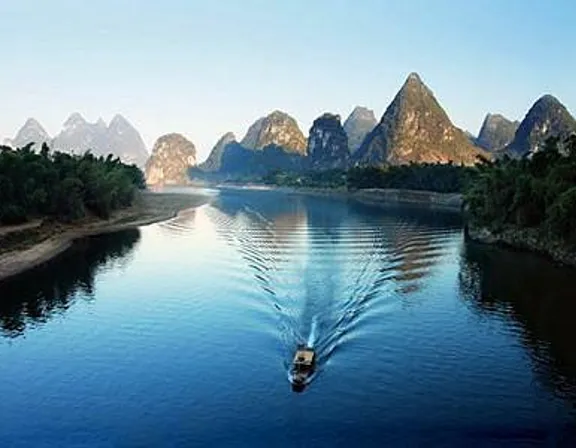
(203, 68)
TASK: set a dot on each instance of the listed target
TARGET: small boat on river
(302, 366)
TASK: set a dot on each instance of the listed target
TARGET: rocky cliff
(328, 144)
(548, 117)
(172, 156)
(415, 128)
(496, 132)
(278, 129)
(214, 161)
(358, 125)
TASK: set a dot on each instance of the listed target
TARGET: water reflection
(36, 296)
(537, 300)
(323, 264)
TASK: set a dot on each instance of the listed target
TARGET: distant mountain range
(77, 136)
(414, 128)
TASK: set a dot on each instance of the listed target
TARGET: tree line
(443, 178)
(438, 177)
(538, 191)
(63, 186)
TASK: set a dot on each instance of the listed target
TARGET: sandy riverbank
(25, 247)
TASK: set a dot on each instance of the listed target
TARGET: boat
(302, 366)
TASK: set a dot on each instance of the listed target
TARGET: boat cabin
(304, 359)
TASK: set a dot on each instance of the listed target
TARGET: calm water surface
(181, 334)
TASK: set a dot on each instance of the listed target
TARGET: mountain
(31, 132)
(415, 128)
(358, 125)
(214, 161)
(78, 136)
(496, 132)
(120, 138)
(274, 142)
(124, 141)
(279, 129)
(240, 161)
(548, 117)
(328, 144)
(172, 157)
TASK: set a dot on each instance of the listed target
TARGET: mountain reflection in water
(324, 266)
(36, 296)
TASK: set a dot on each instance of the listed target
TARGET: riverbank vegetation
(62, 186)
(436, 177)
(311, 179)
(537, 193)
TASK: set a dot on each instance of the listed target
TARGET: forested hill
(63, 186)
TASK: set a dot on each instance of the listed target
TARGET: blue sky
(203, 68)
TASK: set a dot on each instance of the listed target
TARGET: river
(181, 334)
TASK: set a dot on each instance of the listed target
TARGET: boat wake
(321, 275)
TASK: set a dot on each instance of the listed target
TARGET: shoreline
(150, 208)
(374, 196)
(526, 240)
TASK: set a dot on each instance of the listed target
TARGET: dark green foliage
(335, 178)
(63, 186)
(537, 192)
(442, 178)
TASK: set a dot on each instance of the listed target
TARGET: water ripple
(321, 281)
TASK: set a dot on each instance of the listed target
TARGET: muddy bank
(25, 247)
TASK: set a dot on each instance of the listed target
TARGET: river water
(181, 334)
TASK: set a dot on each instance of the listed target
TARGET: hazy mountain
(31, 132)
(78, 136)
(278, 129)
(214, 161)
(328, 143)
(358, 125)
(124, 141)
(120, 138)
(548, 117)
(172, 157)
(496, 132)
(415, 128)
